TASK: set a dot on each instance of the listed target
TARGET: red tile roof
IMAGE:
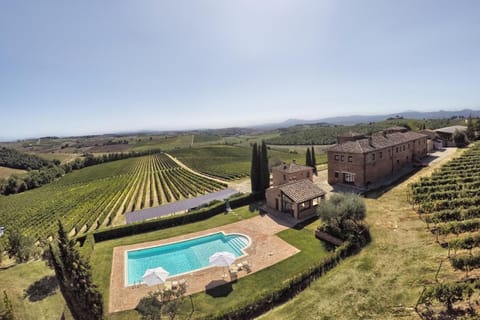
(301, 190)
(378, 141)
(290, 167)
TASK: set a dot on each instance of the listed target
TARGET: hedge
(168, 222)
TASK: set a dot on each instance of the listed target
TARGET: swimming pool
(184, 256)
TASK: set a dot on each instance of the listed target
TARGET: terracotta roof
(290, 167)
(301, 190)
(452, 129)
(378, 141)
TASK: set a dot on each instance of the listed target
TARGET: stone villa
(293, 191)
(361, 160)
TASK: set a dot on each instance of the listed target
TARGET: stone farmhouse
(293, 191)
(446, 134)
(359, 160)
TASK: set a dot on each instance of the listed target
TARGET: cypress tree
(314, 161)
(308, 160)
(265, 173)
(470, 132)
(74, 276)
(254, 168)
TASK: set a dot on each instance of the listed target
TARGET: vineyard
(98, 196)
(230, 162)
(449, 202)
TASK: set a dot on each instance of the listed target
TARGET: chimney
(294, 161)
(370, 141)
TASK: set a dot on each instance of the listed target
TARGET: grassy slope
(17, 279)
(385, 280)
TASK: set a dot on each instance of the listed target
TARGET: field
(232, 162)
(98, 196)
(5, 173)
(387, 277)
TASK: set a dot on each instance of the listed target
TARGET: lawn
(42, 302)
(386, 278)
(245, 290)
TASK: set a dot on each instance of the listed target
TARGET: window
(396, 150)
(336, 157)
(403, 147)
(349, 158)
(381, 154)
(336, 174)
(342, 158)
(348, 178)
(408, 146)
(284, 177)
(373, 156)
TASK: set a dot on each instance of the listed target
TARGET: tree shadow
(219, 288)
(41, 289)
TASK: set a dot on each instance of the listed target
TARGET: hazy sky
(77, 67)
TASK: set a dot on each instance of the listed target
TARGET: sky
(88, 67)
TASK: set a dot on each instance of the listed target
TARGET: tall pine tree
(254, 169)
(314, 161)
(470, 132)
(74, 275)
(259, 173)
(308, 158)
(265, 173)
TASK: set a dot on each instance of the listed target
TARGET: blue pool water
(184, 256)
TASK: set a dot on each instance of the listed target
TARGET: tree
(314, 161)
(264, 172)
(74, 276)
(308, 158)
(259, 171)
(254, 169)
(459, 138)
(20, 247)
(162, 302)
(342, 216)
(470, 132)
(8, 314)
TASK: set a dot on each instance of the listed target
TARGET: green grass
(386, 278)
(17, 279)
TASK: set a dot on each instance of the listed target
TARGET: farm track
(99, 196)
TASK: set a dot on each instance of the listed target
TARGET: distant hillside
(327, 134)
(356, 119)
(11, 158)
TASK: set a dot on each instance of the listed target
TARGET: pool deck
(266, 249)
